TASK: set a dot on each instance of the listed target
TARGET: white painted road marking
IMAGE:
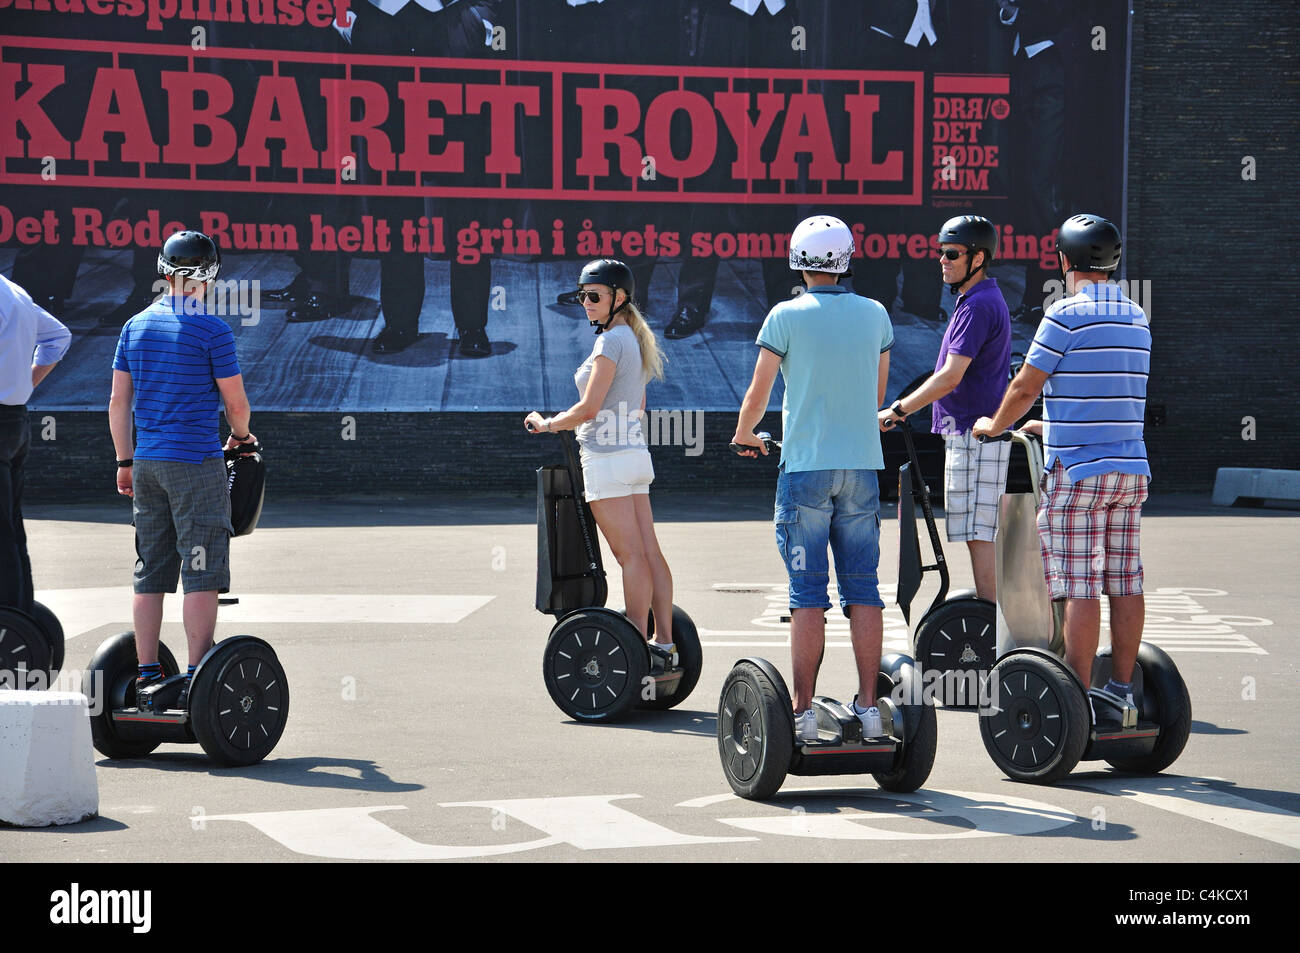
(351, 833)
(1194, 798)
(81, 610)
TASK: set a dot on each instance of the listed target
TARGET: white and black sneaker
(872, 725)
(805, 727)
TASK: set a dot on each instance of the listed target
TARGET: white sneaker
(805, 726)
(872, 726)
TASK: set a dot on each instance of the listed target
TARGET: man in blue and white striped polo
(1093, 353)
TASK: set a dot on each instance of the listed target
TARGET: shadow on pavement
(96, 825)
(1209, 728)
(703, 723)
(301, 772)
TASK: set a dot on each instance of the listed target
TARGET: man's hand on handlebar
(747, 445)
(983, 429)
(889, 419)
(233, 444)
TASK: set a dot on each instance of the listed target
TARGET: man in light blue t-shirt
(832, 348)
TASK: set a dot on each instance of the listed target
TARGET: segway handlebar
(740, 449)
(243, 450)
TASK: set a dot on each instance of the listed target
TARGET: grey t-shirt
(617, 426)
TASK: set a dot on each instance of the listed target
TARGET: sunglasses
(952, 254)
(592, 296)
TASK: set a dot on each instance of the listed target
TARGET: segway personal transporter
(1038, 723)
(239, 697)
(954, 643)
(756, 741)
(596, 665)
(31, 648)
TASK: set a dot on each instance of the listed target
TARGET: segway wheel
(596, 665)
(53, 629)
(1035, 727)
(755, 733)
(24, 650)
(958, 642)
(109, 684)
(689, 655)
(901, 680)
(239, 701)
(1166, 702)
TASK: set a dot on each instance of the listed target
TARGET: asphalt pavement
(420, 728)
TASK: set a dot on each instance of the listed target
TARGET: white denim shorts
(607, 476)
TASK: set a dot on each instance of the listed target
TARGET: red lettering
(291, 12)
(116, 86)
(861, 165)
(277, 94)
(503, 157)
(100, 8)
(421, 127)
(734, 109)
(597, 137)
(320, 13)
(184, 117)
(703, 136)
(44, 138)
(340, 94)
(805, 109)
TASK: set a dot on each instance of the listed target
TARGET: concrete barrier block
(47, 762)
(1234, 483)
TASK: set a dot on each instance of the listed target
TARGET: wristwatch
(240, 439)
(125, 463)
(897, 407)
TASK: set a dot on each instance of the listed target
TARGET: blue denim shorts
(841, 508)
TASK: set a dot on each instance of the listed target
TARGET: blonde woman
(616, 469)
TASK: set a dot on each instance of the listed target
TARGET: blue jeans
(839, 507)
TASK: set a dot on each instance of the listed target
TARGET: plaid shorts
(974, 479)
(182, 525)
(1089, 533)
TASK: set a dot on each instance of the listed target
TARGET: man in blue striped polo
(175, 366)
(1093, 353)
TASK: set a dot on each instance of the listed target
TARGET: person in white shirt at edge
(616, 467)
(32, 341)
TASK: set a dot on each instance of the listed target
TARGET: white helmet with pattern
(821, 243)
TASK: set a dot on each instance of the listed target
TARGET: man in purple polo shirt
(969, 378)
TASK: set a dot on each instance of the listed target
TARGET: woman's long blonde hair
(652, 358)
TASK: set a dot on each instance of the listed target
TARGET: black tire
(689, 655)
(239, 701)
(755, 762)
(959, 636)
(595, 665)
(24, 650)
(1166, 702)
(1036, 725)
(900, 679)
(109, 683)
(53, 629)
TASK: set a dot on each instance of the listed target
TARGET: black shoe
(475, 343)
(390, 341)
(310, 308)
(291, 292)
(685, 322)
(143, 699)
(567, 297)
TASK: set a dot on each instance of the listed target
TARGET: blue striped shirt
(174, 352)
(1096, 347)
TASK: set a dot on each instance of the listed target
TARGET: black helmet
(973, 231)
(612, 272)
(608, 271)
(1090, 242)
(977, 233)
(189, 254)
